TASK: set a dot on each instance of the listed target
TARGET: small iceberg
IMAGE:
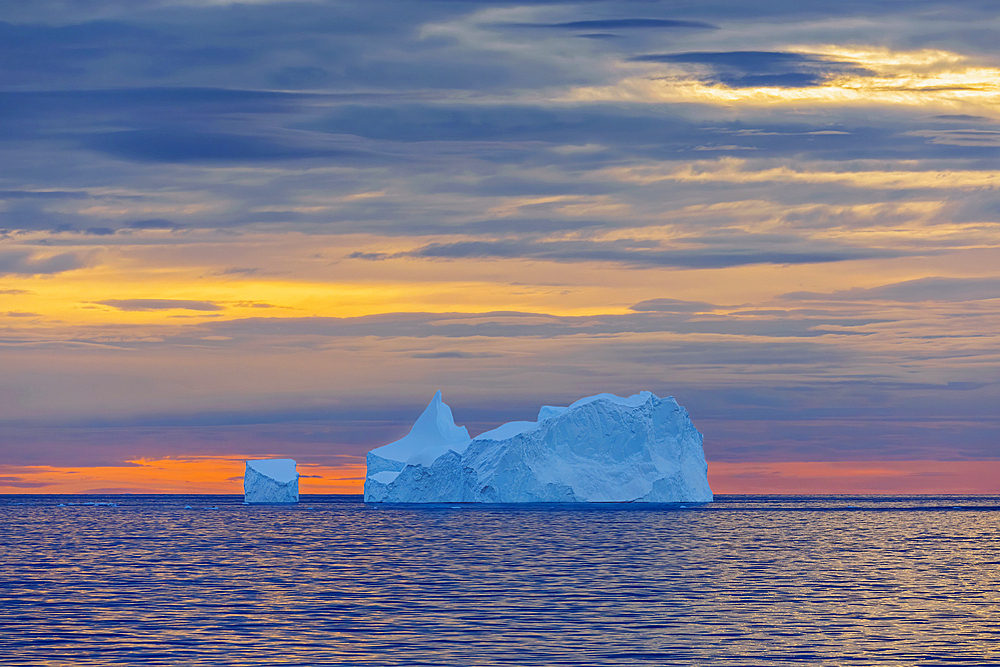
(271, 481)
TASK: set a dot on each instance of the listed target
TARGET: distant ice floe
(602, 448)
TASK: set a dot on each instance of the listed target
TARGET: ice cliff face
(599, 449)
(271, 481)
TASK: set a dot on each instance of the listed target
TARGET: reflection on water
(747, 580)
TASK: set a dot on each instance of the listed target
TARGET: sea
(745, 580)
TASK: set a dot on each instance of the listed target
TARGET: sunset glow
(204, 475)
(275, 230)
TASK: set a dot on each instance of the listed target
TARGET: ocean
(745, 580)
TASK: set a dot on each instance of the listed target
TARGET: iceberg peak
(433, 434)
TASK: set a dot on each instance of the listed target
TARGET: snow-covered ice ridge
(602, 448)
(271, 481)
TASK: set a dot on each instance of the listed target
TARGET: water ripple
(145, 580)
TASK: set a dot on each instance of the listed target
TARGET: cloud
(962, 118)
(432, 130)
(239, 271)
(41, 194)
(33, 51)
(966, 137)
(20, 482)
(758, 69)
(371, 256)
(159, 304)
(181, 145)
(252, 304)
(672, 306)
(620, 253)
(308, 76)
(26, 262)
(508, 324)
(453, 354)
(618, 24)
(155, 223)
(913, 291)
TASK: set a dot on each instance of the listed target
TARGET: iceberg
(271, 481)
(602, 448)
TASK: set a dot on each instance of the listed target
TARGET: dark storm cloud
(26, 262)
(749, 69)
(922, 289)
(159, 304)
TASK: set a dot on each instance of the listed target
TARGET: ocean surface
(746, 580)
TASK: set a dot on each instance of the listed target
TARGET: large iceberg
(601, 448)
(271, 481)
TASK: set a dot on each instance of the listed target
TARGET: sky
(236, 230)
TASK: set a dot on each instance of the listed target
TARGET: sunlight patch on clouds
(115, 296)
(145, 210)
(569, 205)
(964, 137)
(881, 76)
(953, 236)
(736, 170)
